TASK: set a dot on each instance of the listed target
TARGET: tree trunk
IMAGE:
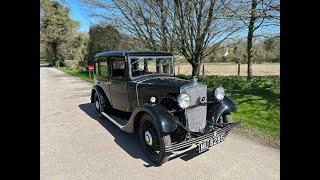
(196, 69)
(49, 53)
(250, 37)
(55, 52)
(249, 56)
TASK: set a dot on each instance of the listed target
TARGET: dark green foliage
(75, 48)
(102, 38)
(55, 29)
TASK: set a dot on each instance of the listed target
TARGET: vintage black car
(138, 91)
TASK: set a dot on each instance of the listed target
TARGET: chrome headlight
(219, 93)
(183, 100)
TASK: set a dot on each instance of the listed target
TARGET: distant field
(231, 69)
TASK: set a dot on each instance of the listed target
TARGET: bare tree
(255, 15)
(193, 27)
(144, 19)
(201, 28)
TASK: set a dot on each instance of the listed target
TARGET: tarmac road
(76, 144)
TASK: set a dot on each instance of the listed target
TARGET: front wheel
(152, 143)
(227, 118)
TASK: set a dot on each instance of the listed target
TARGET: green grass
(43, 61)
(81, 74)
(258, 101)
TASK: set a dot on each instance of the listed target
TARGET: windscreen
(144, 66)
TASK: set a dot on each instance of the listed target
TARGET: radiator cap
(194, 80)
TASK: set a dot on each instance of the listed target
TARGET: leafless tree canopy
(194, 28)
(254, 15)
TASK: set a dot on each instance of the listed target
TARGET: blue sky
(78, 13)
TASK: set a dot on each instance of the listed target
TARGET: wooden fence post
(239, 69)
(178, 70)
(202, 70)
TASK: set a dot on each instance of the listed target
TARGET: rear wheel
(97, 103)
(152, 142)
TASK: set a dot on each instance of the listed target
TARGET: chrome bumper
(184, 144)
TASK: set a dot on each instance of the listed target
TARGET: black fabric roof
(132, 53)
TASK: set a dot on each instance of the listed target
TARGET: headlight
(219, 93)
(183, 100)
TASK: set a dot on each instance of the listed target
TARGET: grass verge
(81, 74)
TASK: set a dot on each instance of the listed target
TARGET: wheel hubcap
(148, 138)
(97, 104)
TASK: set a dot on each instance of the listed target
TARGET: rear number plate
(206, 144)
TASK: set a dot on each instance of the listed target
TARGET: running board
(114, 121)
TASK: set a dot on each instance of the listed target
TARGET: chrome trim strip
(112, 120)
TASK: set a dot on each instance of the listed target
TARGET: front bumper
(177, 146)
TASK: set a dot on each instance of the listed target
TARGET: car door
(102, 75)
(118, 84)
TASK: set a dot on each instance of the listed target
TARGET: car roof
(132, 53)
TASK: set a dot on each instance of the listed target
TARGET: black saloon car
(138, 91)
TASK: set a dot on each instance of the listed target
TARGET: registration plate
(206, 144)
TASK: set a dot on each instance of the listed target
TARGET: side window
(104, 70)
(118, 66)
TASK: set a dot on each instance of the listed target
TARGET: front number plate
(206, 144)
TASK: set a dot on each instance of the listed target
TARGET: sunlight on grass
(81, 74)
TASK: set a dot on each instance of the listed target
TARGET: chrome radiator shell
(195, 116)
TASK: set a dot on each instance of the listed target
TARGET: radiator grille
(196, 117)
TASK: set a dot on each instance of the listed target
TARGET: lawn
(258, 101)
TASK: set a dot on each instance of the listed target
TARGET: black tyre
(227, 118)
(152, 143)
(97, 103)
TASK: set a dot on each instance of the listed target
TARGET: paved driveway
(76, 144)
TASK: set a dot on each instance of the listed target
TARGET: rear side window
(104, 69)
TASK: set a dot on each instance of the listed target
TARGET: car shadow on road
(130, 142)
